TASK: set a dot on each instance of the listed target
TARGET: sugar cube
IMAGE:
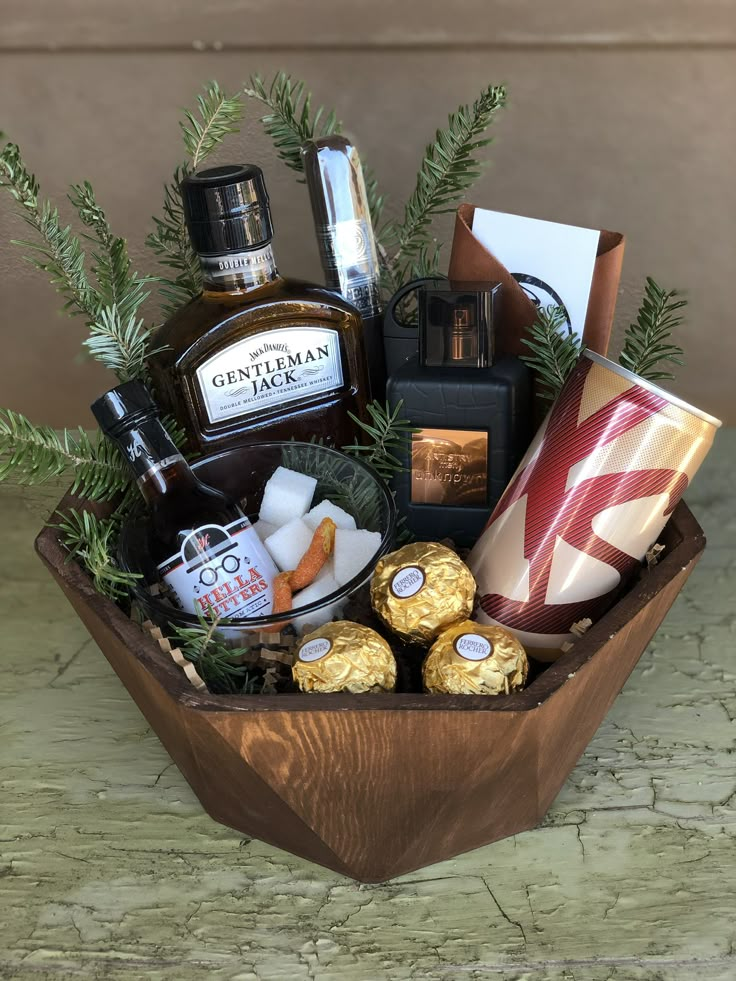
(328, 569)
(263, 529)
(310, 594)
(353, 551)
(287, 494)
(329, 510)
(288, 543)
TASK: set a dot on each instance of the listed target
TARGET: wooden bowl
(377, 785)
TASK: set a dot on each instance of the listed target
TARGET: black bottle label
(271, 369)
(449, 467)
(148, 448)
(221, 571)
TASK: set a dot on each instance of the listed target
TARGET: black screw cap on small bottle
(226, 209)
(123, 407)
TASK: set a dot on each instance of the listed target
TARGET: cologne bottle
(209, 557)
(347, 245)
(255, 356)
(472, 413)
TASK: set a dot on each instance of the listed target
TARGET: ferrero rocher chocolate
(344, 656)
(421, 589)
(475, 659)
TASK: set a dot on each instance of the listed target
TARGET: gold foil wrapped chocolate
(344, 656)
(475, 659)
(421, 589)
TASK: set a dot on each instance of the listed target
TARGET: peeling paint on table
(110, 869)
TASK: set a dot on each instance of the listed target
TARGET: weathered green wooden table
(109, 868)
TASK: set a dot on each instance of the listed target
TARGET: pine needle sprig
(289, 120)
(31, 454)
(647, 342)
(388, 435)
(59, 253)
(217, 116)
(170, 242)
(121, 345)
(449, 168)
(91, 541)
(117, 284)
(219, 666)
(553, 353)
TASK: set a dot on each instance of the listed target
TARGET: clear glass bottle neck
(239, 272)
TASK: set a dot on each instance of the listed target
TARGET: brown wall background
(621, 116)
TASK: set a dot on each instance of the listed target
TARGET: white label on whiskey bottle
(473, 648)
(221, 572)
(270, 369)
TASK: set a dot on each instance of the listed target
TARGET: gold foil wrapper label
(344, 656)
(407, 582)
(473, 647)
(421, 589)
(315, 649)
(475, 659)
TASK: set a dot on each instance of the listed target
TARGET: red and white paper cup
(593, 492)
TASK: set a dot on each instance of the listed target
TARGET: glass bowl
(242, 473)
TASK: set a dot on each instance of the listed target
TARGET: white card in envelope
(552, 263)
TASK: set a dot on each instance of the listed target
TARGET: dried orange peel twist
(319, 551)
(287, 583)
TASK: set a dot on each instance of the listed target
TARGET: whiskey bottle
(471, 412)
(209, 557)
(255, 356)
(347, 245)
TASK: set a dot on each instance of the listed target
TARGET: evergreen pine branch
(553, 353)
(59, 252)
(449, 168)
(219, 115)
(170, 242)
(388, 435)
(647, 342)
(375, 200)
(218, 665)
(121, 345)
(91, 541)
(117, 285)
(32, 454)
(290, 121)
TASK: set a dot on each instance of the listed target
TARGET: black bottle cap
(226, 209)
(123, 407)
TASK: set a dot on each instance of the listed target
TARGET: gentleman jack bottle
(207, 554)
(256, 356)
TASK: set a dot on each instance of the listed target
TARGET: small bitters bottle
(255, 357)
(472, 413)
(209, 557)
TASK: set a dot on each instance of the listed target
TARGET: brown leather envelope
(471, 261)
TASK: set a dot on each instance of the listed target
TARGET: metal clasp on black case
(401, 340)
